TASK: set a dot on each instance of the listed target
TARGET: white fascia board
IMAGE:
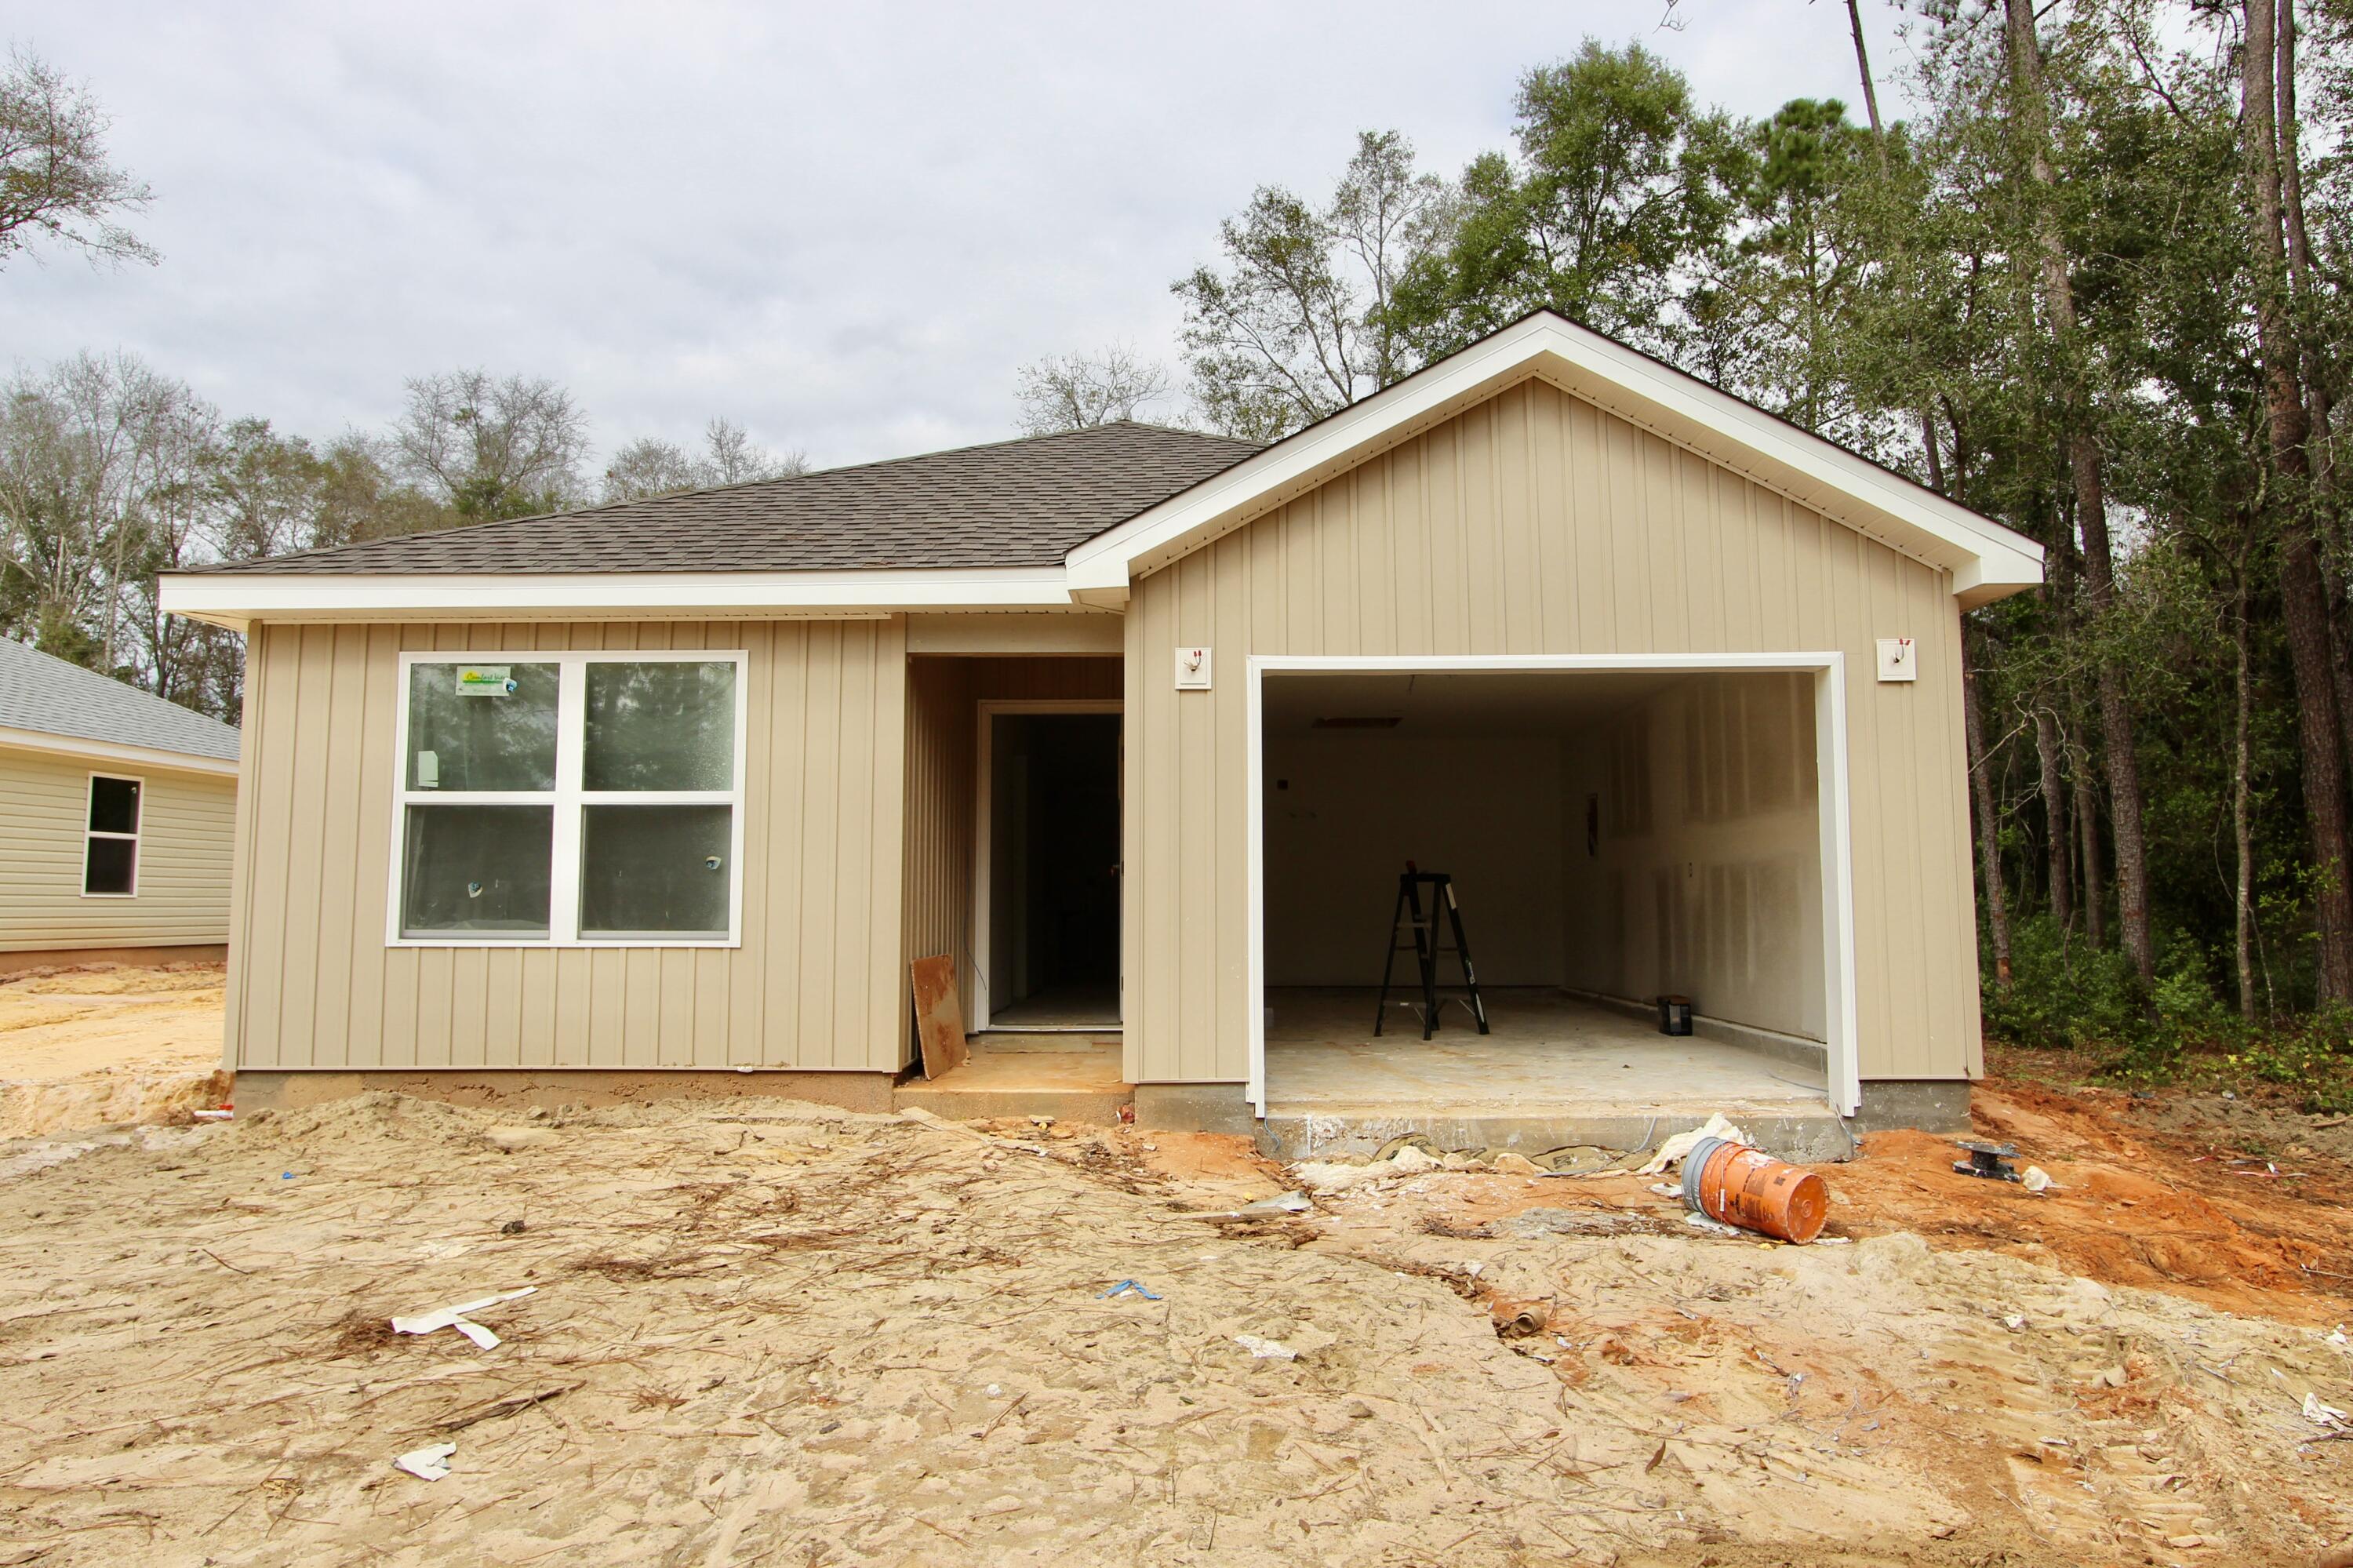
(240, 597)
(1988, 560)
(115, 754)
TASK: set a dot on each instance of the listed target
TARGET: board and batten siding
(185, 838)
(815, 984)
(943, 698)
(1536, 523)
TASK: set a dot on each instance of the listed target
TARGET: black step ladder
(1426, 948)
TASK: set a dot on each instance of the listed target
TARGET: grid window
(578, 798)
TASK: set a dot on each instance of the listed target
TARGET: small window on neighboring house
(110, 866)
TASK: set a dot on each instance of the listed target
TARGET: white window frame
(568, 799)
(88, 788)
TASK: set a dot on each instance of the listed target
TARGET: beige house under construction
(1141, 728)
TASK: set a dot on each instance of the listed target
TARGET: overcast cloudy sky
(844, 227)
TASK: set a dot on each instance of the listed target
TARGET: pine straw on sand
(777, 1334)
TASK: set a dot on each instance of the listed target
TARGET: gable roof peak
(1988, 561)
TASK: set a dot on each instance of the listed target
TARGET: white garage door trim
(1828, 670)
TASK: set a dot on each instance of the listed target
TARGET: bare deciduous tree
(1080, 391)
(651, 466)
(732, 457)
(101, 463)
(493, 446)
(56, 182)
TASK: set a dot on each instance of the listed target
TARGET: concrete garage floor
(1554, 1071)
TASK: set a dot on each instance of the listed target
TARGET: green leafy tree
(1618, 187)
(1302, 320)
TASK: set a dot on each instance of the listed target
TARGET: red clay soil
(2133, 1204)
(2145, 1195)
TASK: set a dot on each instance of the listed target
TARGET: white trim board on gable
(104, 751)
(1987, 561)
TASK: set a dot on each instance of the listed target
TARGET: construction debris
(1671, 1153)
(1993, 1161)
(1266, 1350)
(1399, 1158)
(430, 1462)
(460, 1317)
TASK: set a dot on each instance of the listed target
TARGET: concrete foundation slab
(1932, 1104)
(1195, 1108)
(1555, 1070)
(523, 1089)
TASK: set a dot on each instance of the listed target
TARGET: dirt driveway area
(767, 1332)
(85, 1048)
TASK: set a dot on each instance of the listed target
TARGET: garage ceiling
(1544, 703)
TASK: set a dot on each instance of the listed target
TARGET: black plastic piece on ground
(1990, 1161)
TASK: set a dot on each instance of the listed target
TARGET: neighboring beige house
(116, 810)
(1140, 727)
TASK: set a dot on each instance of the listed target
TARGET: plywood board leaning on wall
(939, 1019)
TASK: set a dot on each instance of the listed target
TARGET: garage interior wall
(1703, 875)
(944, 696)
(1345, 809)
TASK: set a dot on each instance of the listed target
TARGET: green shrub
(2064, 994)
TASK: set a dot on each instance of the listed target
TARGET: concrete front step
(1096, 1107)
(1801, 1131)
(1071, 1078)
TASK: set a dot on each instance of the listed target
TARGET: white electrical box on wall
(1898, 660)
(1192, 669)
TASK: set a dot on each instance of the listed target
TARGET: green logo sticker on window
(485, 680)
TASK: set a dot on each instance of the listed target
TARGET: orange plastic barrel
(1749, 1188)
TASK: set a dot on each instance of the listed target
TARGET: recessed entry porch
(1609, 836)
(1013, 869)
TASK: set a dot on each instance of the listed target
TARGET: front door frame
(989, 708)
(1835, 833)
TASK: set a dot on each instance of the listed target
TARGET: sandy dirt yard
(83, 1047)
(765, 1332)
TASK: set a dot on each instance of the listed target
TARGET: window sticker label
(485, 680)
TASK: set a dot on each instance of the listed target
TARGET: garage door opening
(1612, 835)
(1051, 837)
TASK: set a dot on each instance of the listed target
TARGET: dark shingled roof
(1012, 504)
